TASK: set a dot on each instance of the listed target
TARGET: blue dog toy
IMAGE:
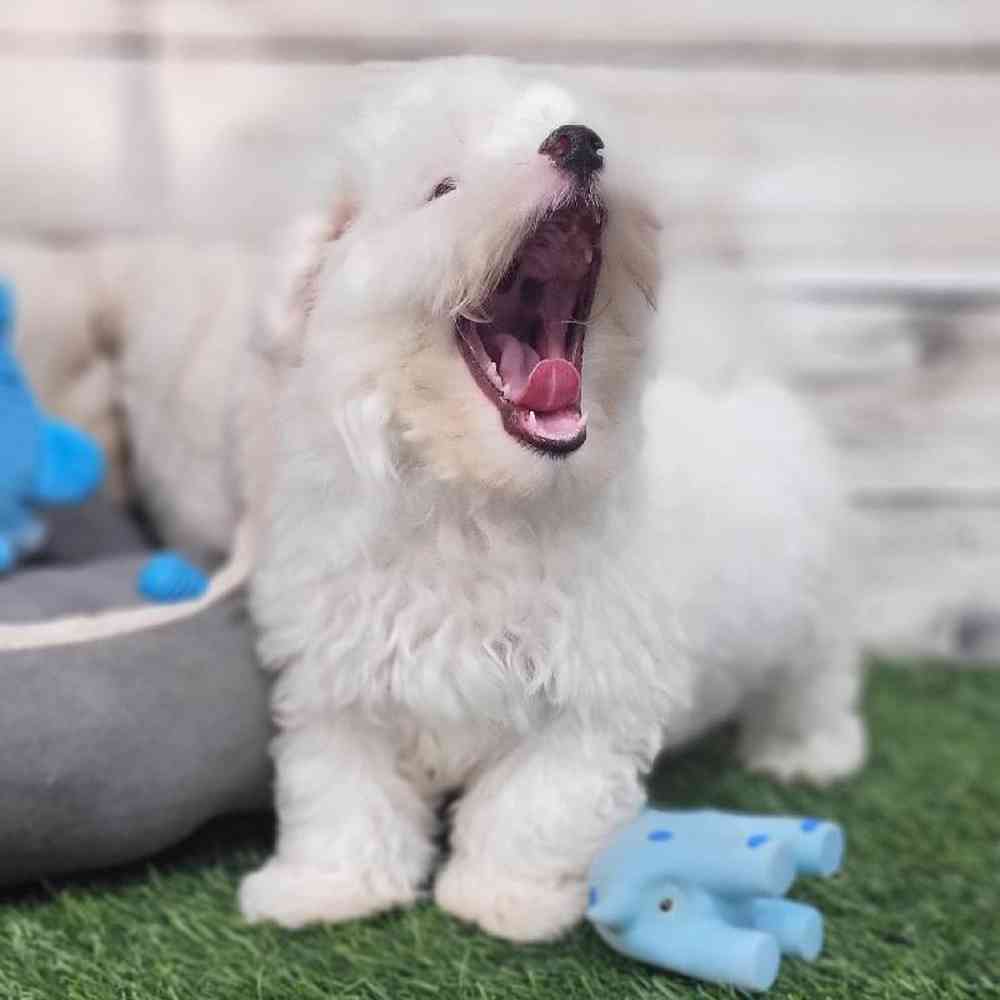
(700, 892)
(42, 462)
(45, 463)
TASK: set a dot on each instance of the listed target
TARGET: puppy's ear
(290, 280)
(637, 231)
(293, 276)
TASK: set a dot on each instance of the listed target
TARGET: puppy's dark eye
(443, 187)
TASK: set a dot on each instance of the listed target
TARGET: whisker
(594, 314)
(645, 291)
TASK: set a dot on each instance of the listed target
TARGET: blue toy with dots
(702, 892)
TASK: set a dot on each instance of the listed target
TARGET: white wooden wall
(858, 142)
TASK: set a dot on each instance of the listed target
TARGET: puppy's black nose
(574, 148)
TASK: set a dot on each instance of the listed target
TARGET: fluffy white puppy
(502, 553)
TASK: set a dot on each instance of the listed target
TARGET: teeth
(532, 419)
(494, 375)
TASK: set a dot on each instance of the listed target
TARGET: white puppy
(502, 551)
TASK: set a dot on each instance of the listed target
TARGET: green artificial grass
(916, 912)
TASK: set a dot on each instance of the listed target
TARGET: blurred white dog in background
(506, 545)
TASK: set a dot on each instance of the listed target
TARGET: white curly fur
(446, 609)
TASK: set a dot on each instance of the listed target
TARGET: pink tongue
(553, 384)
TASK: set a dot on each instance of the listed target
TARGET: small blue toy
(701, 892)
(169, 578)
(42, 462)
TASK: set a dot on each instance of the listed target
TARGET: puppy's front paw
(295, 895)
(825, 755)
(507, 906)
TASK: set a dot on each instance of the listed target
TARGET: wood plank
(521, 24)
(779, 153)
(60, 19)
(240, 167)
(811, 168)
(910, 395)
(68, 169)
(818, 145)
(929, 582)
(953, 35)
(911, 286)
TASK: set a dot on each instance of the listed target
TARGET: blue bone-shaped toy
(42, 462)
(700, 892)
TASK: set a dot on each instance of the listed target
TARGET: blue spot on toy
(42, 462)
(707, 900)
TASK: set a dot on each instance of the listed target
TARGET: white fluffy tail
(111, 624)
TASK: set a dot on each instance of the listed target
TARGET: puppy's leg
(526, 831)
(354, 837)
(807, 725)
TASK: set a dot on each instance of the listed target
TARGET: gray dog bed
(111, 751)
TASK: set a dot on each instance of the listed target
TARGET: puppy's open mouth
(526, 353)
